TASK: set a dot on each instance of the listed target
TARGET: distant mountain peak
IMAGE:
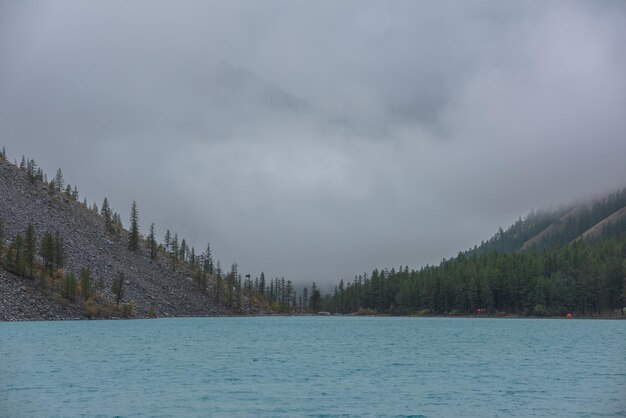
(239, 86)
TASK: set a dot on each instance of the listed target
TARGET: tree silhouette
(133, 238)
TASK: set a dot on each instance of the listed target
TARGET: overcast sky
(316, 140)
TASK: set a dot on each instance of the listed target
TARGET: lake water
(314, 366)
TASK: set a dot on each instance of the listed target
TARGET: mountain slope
(151, 286)
(569, 261)
(543, 230)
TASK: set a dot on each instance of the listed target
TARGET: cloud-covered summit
(319, 139)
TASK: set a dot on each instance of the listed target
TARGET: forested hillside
(63, 258)
(550, 263)
(545, 230)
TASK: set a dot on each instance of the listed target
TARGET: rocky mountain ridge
(152, 287)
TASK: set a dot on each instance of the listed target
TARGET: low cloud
(320, 140)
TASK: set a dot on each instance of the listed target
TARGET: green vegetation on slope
(40, 256)
(558, 273)
(546, 230)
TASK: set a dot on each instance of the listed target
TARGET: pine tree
(31, 170)
(262, 284)
(232, 277)
(168, 240)
(23, 163)
(30, 249)
(174, 251)
(3, 154)
(117, 223)
(305, 298)
(182, 255)
(192, 259)
(117, 287)
(75, 195)
(283, 292)
(52, 188)
(152, 242)
(218, 281)
(106, 214)
(208, 260)
(341, 291)
(238, 291)
(289, 291)
(18, 247)
(316, 298)
(59, 258)
(69, 286)
(59, 182)
(85, 283)
(48, 253)
(133, 238)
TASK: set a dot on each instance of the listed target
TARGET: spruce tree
(30, 249)
(168, 240)
(3, 154)
(174, 251)
(238, 291)
(182, 255)
(218, 281)
(192, 259)
(316, 298)
(117, 287)
(208, 260)
(133, 238)
(117, 225)
(52, 188)
(69, 286)
(59, 258)
(152, 242)
(48, 253)
(233, 277)
(289, 293)
(31, 170)
(105, 211)
(85, 283)
(262, 284)
(18, 245)
(59, 182)
(305, 298)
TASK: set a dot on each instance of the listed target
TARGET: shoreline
(317, 315)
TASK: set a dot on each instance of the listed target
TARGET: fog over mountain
(315, 140)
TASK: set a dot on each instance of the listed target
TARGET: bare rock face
(150, 284)
(22, 299)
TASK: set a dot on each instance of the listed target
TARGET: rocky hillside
(150, 286)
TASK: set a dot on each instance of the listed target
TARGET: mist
(319, 140)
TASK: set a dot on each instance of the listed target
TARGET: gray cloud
(316, 140)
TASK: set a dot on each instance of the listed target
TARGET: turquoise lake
(314, 366)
